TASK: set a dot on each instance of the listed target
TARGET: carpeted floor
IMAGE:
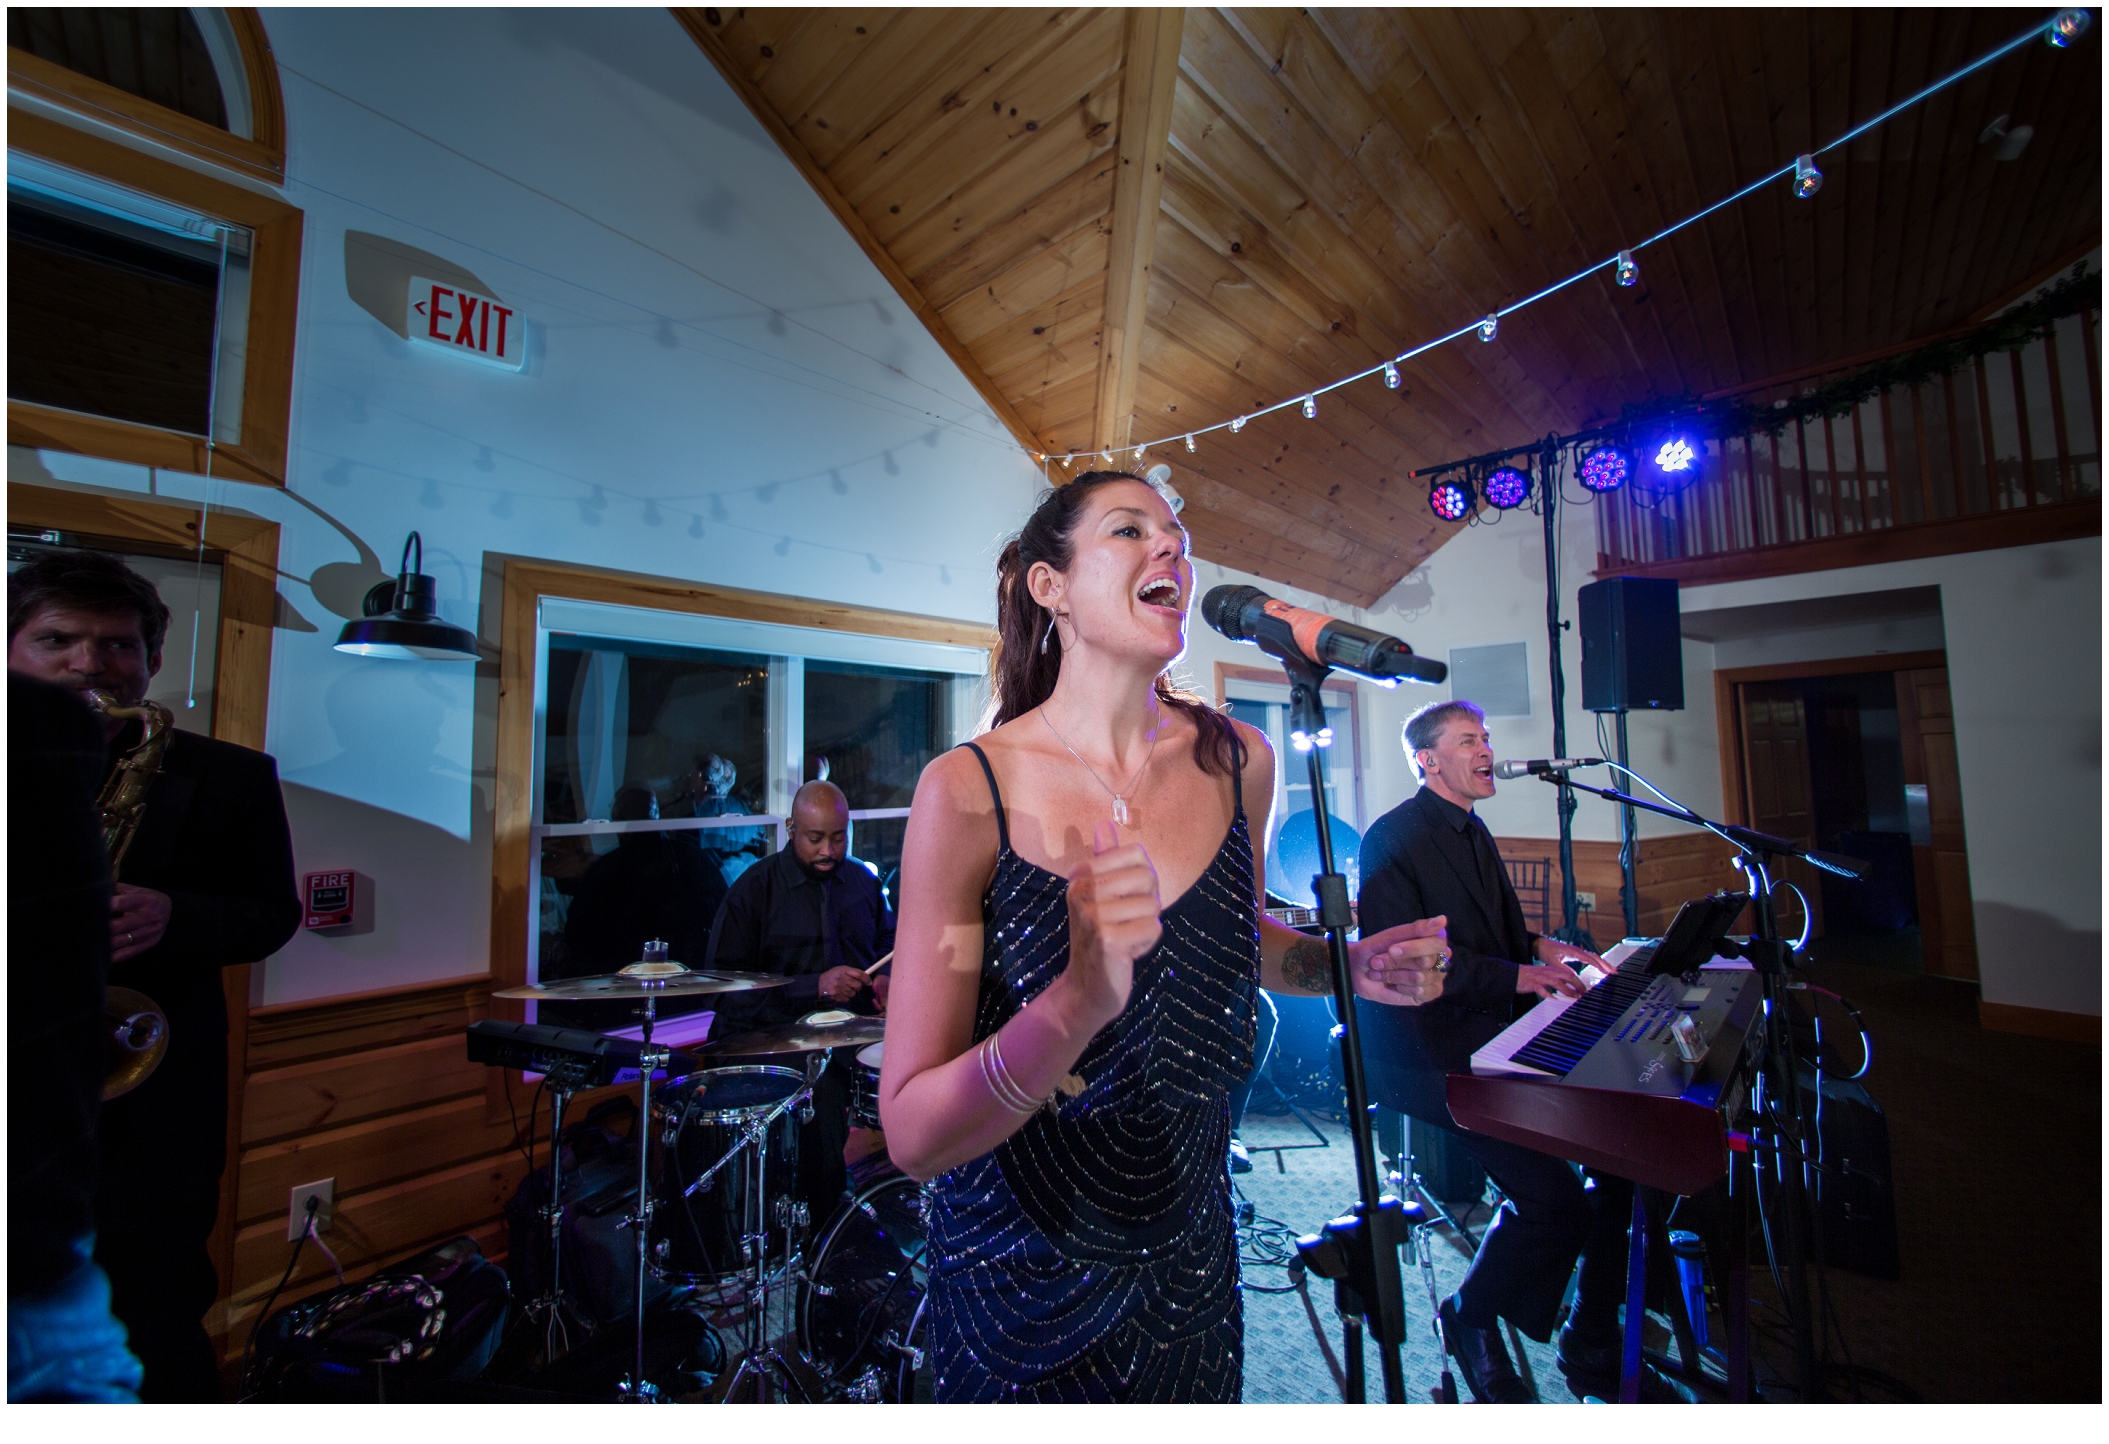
(1995, 1144)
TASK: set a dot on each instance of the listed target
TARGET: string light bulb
(1189, 441)
(1237, 424)
(1391, 377)
(1310, 407)
(1489, 327)
(2066, 27)
(1141, 449)
(1106, 456)
(1628, 269)
(1808, 180)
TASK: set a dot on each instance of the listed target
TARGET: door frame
(1728, 709)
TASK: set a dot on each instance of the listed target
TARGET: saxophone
(138, 1036)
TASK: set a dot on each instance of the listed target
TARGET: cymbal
(809, 1034)
(659, 982)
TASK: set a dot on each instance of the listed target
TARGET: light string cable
(1304, 398)
(212, 426)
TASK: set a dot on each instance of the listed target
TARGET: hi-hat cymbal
(626, 987)
(807, 1035)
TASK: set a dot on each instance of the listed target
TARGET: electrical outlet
(297, 1210)
(1588, 901)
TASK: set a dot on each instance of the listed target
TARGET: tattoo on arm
(1308, 964)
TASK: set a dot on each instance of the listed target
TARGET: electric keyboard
(1637, 1077)
(571, 1057)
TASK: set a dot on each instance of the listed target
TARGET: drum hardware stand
(1776, 1099)
(640, 1390)
(771, 1372)
(1359, 1252)
(552, 1307)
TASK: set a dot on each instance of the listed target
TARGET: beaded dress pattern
(1092, 1256)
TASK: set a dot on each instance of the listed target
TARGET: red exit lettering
(463, 321)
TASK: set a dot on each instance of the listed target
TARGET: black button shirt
(778, 918)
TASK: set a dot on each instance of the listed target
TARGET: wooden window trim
(274, 297)
(248, 552)
(262, 156)
(526, 583)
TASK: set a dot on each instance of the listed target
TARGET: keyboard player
(1432, 855)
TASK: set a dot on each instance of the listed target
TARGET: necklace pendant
(1120, 809)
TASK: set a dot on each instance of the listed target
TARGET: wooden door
(1947, 923)
(1776, 786)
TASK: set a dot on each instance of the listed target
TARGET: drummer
(815, 915)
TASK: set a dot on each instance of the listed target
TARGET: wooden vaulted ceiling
(1123, 224)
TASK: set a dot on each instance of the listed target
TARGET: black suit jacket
(58, 940)
(214, 838)
(1418, 862)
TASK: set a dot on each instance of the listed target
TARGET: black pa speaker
(1632, 655)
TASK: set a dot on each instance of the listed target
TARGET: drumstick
(880, 963)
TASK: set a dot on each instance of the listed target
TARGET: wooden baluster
(1995, 493)
(2057, 414)
(2021, 426)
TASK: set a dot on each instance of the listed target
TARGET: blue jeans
(63, 1347)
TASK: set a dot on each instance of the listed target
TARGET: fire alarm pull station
(329, 899)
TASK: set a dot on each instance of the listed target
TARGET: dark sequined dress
(1092, 1256)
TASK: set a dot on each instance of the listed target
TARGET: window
(198, 79)
(668, 747)
(152, 314)
(123, 306)
(1261, 699)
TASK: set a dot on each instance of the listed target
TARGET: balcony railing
(2016, 433)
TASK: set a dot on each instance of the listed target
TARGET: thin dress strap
(1003, 831)
(1237, 771)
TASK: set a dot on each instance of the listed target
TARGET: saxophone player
(206, 883)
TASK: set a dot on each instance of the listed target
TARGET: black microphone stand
(1779, 1094)
(1358, 1252)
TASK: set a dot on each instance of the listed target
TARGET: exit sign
(481, 328)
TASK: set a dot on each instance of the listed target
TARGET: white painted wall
(2023, 630)
(719, 386)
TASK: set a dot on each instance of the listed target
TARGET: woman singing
(1062, 1042)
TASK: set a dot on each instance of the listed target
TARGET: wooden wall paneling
(925, 65)
(1150, 70)
(299, 1098)
(1081, 199)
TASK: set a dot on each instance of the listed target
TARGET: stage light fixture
(1808, 180)
(1506, 487)
(1451, 498)
(2068, 26)
(1673, 459)
(1605, 468)
(1627, 272)
(1489, 327)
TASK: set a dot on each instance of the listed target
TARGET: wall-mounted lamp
(402, 622)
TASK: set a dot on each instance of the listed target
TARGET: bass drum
(861, 1319)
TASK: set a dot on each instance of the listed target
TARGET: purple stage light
(1506, 487)
(1607, 468)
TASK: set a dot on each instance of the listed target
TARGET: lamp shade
(401, 620)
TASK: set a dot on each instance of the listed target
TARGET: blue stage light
(1506, 487)
(1451, 498)
(1606, 468)
(1673, 460)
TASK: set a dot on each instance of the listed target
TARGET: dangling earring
(1046, 634)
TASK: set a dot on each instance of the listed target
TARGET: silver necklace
(1120, 799)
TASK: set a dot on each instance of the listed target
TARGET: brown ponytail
(1021, 675)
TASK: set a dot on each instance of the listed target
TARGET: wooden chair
(1533, 883)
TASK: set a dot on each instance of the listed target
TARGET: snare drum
(710, 1110)
(864, 1087)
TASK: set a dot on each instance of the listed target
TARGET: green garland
(2032, 320)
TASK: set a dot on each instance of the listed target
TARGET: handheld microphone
(1538, 766)
(1247, 614)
